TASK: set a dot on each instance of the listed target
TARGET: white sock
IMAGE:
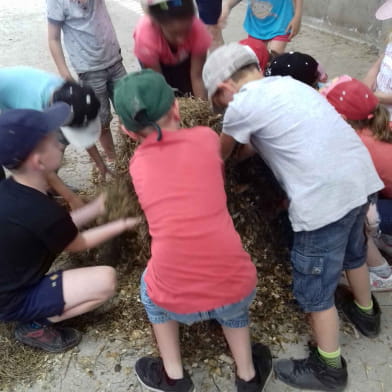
(383, 271)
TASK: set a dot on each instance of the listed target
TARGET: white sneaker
(384, 243)
(377, 283)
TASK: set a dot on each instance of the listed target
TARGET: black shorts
(42, 300)
(209, 11)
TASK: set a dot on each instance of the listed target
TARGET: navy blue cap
(22, 129)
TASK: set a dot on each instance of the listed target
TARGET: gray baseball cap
(224, 62)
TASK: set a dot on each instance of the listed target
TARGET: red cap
(260, 50)
(351, 98)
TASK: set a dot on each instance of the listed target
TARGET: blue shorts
(209, 11)
(44, 299)
(102, 82)
(231, 316)
(319, 256)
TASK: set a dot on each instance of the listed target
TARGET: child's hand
(294, 26)
(75, 203)
(130, 223)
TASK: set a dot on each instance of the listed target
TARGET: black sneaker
(53, 339)
(152, 375)
(262, 360)
(312, 373)
(367, 324)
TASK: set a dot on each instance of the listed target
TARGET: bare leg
(374, 257)
(97, 159)
(277, 46)
(360, 285)
(325, 326)
(239, 343)
(85, 289)
(217, 37)
(167, 336)
(107, 143)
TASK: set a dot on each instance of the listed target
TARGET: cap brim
(83, 137)
(57, 115)
(385, 11)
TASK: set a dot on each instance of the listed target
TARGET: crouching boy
(198, 269)
(328, 176)
(34, 230)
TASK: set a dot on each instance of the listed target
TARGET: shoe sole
(154, 389)
(32, 343)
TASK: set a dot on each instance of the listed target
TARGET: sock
(365, 309)
(331, 359)
(383, 271)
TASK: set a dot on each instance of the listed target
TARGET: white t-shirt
(384, 76)
(316, 156)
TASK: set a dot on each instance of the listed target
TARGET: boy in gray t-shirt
(93, 50)
(328, 176)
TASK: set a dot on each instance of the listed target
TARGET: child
(30, 88)
(379, 77)
(171, 40)
(361, 109)
(93, 50)
(209, 13)
(300, 66)
(198, 269)
(275, 22)
(327, 175)
(34, 230)
(260, 50)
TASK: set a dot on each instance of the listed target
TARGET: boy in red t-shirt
(198, 269)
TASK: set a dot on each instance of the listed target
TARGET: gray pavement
(106, 365)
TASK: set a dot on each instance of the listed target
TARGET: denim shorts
(102, 82)
(40, 301)
(319, 256)
(231, 316)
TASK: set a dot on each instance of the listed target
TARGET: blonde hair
(378, 124)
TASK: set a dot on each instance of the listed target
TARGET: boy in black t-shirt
(34, 230)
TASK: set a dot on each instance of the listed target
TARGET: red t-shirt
(197, 260)
(151, 47)
(381, 153)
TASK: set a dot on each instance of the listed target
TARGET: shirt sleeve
(200, 37)
(55, 10)
(236, 125)
(146, 43)
(59, 234)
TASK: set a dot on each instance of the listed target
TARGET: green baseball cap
(142, 98)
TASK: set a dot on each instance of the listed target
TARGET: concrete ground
(106, 365)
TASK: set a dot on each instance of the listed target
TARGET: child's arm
(94, 237)
(228, 144)
(56, 49)
(295, 24)
(55, 183)
(371, 76)
(227, 6)
(197, 63)
(383, 98)
(89, 212)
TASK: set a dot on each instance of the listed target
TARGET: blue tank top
(267, 19)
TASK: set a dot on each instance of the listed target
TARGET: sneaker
(378, 283)
(262, 360)
(367, 324)
(384, 243)
(53, 339)
(312, 373)
(152, 375)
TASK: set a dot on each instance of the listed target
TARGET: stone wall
(351, 18)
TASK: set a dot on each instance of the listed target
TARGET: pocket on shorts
(307, 279)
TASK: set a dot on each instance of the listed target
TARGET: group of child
(198, 269)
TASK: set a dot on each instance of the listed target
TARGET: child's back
(197, 262)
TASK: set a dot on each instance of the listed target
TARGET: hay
(253, 201)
